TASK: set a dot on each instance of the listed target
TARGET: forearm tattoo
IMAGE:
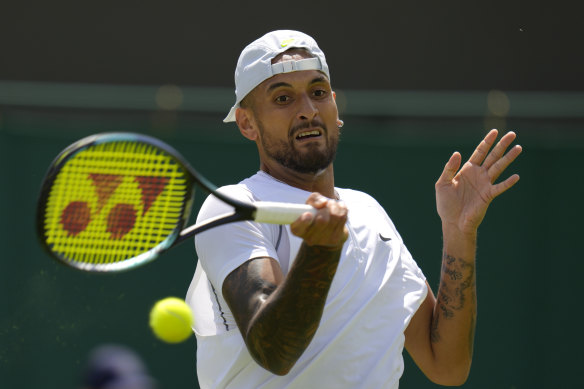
(281, 323)
(457, 290)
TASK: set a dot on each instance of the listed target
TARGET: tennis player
(331, 300)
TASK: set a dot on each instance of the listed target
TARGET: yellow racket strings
(114, 201)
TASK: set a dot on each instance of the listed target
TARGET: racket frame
(262, 212)
(69, 152)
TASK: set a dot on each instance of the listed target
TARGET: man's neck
(322, 182)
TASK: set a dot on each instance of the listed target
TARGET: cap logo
(286, 42)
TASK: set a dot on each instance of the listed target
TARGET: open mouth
(308, 134)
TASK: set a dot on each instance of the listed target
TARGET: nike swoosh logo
(383, 238)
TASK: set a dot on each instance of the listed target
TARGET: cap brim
(231, 115)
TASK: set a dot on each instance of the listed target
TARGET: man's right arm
(277, 315)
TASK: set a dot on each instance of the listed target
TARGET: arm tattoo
(457, 286)
(278, 322)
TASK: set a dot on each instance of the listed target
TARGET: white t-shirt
(375, 292)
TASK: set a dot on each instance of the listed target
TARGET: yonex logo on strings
(122, 217)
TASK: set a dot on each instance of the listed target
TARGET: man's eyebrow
(318, 79)
(278, 85)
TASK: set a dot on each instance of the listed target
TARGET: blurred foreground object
(116, 367)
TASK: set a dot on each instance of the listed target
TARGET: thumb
(450, 168)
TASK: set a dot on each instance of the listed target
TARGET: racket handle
(280, 213)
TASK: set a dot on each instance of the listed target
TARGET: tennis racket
(114, 201)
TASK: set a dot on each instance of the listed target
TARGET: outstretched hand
(464, 194)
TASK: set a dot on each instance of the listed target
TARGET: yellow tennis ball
(171, 320)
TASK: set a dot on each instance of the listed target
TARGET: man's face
(296, 117)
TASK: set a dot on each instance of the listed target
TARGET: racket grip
(280, 213)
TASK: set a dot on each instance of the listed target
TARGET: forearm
(463, 194)
(287, 320)
(453, 324)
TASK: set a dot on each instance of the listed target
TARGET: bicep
(247, 287)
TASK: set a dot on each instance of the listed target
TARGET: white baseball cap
(255, 62)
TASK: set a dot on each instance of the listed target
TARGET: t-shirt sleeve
(222, 249)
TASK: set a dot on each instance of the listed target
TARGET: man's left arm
(440, 336)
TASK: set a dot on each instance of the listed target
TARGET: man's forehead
(292, 54)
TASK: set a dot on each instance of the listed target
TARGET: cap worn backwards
(255, 62)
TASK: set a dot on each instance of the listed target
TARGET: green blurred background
(415, 82)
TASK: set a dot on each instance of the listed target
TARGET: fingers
(502, 163)
(325, 228)
(483, 148)
(497, 160)
(317, 200)
(503, 186)
(499, 149)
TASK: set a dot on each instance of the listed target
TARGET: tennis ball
(171, 319)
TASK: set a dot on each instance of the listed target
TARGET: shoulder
(355, 197)
(212, 206)
(222, 249)
(255, 188)
(369, 210)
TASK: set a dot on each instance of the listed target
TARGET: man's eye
(320, 93)
(282, 99)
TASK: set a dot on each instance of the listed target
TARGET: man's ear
(340, 123)
(246, 124)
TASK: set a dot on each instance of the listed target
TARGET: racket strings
(112, 202)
